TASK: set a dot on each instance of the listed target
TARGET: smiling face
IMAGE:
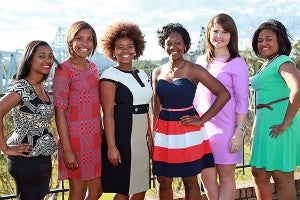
(42, 60)
(174, 46)
(124, 50)
(218, 37)
(267, 44)
(82, 44)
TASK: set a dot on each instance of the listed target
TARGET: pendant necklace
(177, 67)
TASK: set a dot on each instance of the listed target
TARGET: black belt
(140, 109)
(268, 105)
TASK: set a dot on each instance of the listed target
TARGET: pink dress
(234, 76)
(77, 91)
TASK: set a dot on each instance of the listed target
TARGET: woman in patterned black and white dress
(30, 146)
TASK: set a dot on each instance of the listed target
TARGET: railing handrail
(243, 165)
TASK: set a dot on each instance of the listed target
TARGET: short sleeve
(61, 86)
(109, 75)
(282, 59)
(21, 87)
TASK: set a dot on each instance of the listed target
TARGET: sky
(23, 21)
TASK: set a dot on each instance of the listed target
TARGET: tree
(253, 62)
(296, 53)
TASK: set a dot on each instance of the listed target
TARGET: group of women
(196, 127)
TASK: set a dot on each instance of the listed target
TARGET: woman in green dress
(276, 142)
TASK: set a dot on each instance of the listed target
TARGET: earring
(114, 56)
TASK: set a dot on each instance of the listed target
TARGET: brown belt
(267, 105)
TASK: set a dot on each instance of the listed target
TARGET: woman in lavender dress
(226, 129)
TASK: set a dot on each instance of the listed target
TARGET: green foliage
(7, 185)
(145, 65)
(253, 62)
(295, 54)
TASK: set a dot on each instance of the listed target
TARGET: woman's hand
(277, 130)
(18, 150)
(114, 156)
(70, 160)
(190, 120)
(236, 141)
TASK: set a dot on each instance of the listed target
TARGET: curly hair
(228, 25)
(164, 32)
(74, 29)
(121, 30)
(282, 36)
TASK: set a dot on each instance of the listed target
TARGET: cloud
(23, 21)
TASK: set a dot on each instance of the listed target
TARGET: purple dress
(234, 76)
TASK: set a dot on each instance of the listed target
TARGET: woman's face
(42, 60)
(267, 44)
(124, 50)
(219, 38)
(174, 46)
(83, 43)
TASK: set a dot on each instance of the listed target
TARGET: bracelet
(242, 127)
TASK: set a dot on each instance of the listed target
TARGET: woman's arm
(149, 135)
(240, 84)
(7, 102)
(218, 89)
(289, 73)
(107, 99)
(156, 101)
(62, 129)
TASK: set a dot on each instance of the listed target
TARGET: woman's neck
(125, 66)
(79, 63)
(34, 80)
(223, 52)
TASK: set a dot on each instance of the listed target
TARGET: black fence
(62, 190)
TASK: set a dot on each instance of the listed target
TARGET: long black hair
(29, 51)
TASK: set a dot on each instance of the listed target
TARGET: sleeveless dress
(281, 153)
(179, 151)
(77, 91)
(133, 94)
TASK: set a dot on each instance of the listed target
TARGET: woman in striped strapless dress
(181, 146)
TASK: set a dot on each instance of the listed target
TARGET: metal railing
(62, 190)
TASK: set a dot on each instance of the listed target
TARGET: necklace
(177, 67)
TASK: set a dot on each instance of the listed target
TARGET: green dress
(281, 153)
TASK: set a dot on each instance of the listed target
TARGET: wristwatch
(242, 127)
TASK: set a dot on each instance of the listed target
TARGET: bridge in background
(9, 60)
